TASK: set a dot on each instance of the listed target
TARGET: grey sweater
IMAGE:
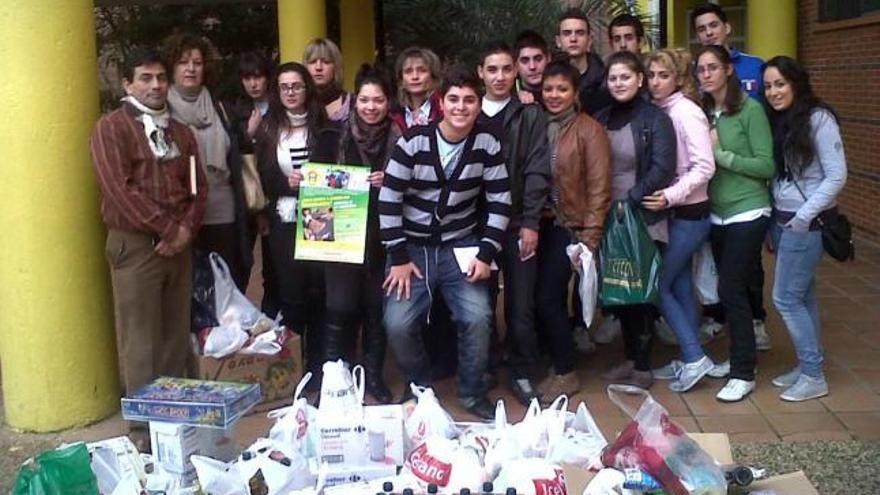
(821, 180)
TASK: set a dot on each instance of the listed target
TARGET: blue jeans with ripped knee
(471, 313)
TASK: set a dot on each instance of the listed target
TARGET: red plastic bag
(656, 444)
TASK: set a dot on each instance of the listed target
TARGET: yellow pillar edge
(299, 21)
(358, 42)
(56, 328)
(772, 28)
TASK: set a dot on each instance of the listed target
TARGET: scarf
(371, 139)
(780, 124)
(559, 121)
(621, 113)
(329, 94)
(155, 122)
(297, 119)
(196, 110)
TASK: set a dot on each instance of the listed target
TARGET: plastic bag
(608, 481)
(588, 286)
(631, 263)
(427, 418)
(531, 477)
(270, 342)
(447, 464)
(581, 443)
(204, 304)
(705, 275)
(232, 307)
(280, 472)
(342, 391)
(501, 445)
(292, 432)
(63, 471)
(539, 430)
(659, 446)
(224, 340)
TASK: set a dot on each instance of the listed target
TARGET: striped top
(417, 203)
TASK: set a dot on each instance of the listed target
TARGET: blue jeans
(469, 304)
(677, 301)
(794, 293)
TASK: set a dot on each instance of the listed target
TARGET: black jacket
(592, 93)
(236, 165)
(655, 143)
(527, 156)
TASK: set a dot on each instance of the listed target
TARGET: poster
(332, 211)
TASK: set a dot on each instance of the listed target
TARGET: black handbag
(836, 232)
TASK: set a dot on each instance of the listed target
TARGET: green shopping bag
(66, 471)
(630, 261)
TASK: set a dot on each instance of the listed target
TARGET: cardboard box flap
(787, 484)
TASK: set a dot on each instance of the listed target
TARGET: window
(837, 10)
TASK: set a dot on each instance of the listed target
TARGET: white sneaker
(582, 340)
(805, 388)
(710, 329)
(668, 371)
(735, 390)
(691, 374)
(608, 330)
(762, 338)
(788, 378)
(720, 370)
(664, 333)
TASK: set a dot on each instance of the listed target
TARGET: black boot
(374, 360)
(337, 330)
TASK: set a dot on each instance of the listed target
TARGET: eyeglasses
(292, 88)
(704, 69)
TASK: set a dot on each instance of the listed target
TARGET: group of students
(513, 163)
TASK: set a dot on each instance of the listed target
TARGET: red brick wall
(844, 65)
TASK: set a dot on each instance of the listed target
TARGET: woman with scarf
(367, 139)
(575, 213)
(643, 157)
(295, 130)
(225, 227)
(810, 173)
(324, 61)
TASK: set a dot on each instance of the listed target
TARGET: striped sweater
(417, 203)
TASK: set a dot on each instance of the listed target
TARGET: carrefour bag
(631, 263)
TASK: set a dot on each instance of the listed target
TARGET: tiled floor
(850, 313)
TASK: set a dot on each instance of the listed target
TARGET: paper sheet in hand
(464, 255)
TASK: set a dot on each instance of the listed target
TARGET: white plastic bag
(582, 442)
(217, 477)
(588, 288)
(342, 391)
(705, 275)
(447, 464)
(502, 446)
(282, 472)
(224, 340)
(539, 430)
(270, 342)
(232, 307)
(294, 430)
(531, 477)
(427, 418)
(608, 481)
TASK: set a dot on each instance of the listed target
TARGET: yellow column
(56, 327)
(676, 24)
(772, 28)
(358, 32)
(299, 21)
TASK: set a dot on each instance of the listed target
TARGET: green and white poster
(332, 209)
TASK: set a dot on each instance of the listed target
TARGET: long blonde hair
(679, 62)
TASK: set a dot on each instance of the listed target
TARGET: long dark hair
(276, 118)
(799, 149)
(733, 97)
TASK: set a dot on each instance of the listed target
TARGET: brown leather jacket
(582, 173)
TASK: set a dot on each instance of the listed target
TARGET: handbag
(836, 232)
(254, 196)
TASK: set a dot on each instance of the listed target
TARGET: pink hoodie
(695, 160)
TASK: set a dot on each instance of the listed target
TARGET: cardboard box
(718, 446)
(191, 402)
(341, 474)
(387, 419)
(342, 440)
(276, 374)
(173, 444)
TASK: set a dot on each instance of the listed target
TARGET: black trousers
(224, 240)
(737, 249)
(637, 325)
(520, 278)
(553, 274)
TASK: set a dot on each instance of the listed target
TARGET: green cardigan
(744, 161)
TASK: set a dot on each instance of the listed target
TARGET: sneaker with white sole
(762, 338)
(720, 370)
(664, 333)
(608, 330)
(805, 388)
(668, 371)
(710, 329)
(582, 340)
(788, 378)
(735, 390)
(691, 374)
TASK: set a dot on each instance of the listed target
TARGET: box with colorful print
(192, 402)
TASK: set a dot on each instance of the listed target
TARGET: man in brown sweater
(152, 201)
